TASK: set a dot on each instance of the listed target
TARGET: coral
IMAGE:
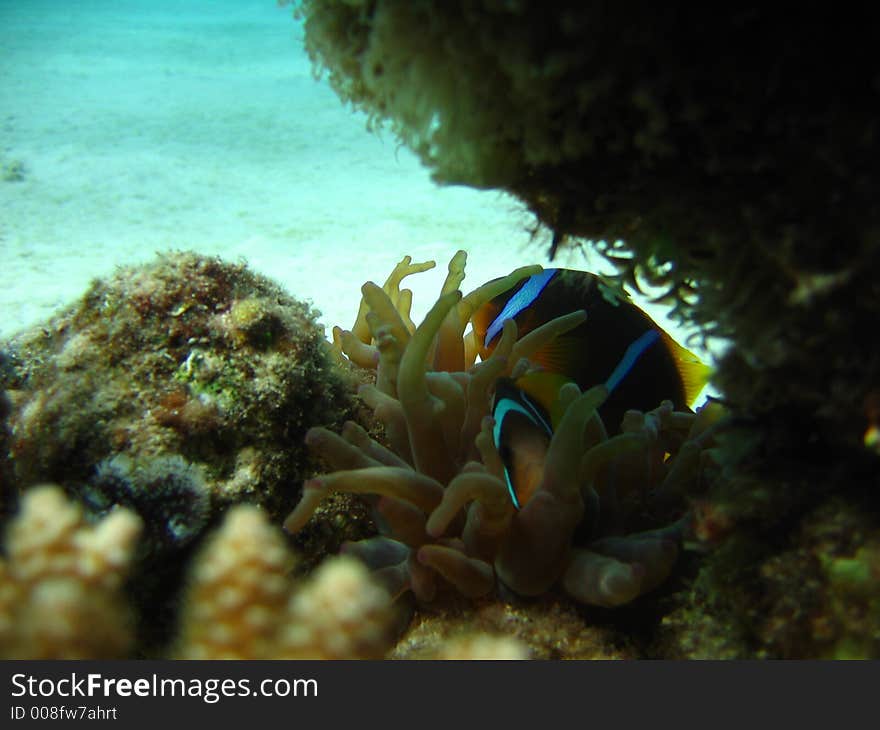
(443, 460)
(61, 597)
(820, 594)
(242, 604)
(814, 593)
(62, 591)
(185, 360)
(340, 614)
(61, 585)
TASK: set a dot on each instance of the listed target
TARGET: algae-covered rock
(185, 376)
(814, 593)
(666, 123)
(7, 490)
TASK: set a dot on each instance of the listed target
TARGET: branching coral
(61, 586)
(62, 592)
(242, 603)
(443, 460)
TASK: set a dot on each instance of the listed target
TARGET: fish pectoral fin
(561, 355)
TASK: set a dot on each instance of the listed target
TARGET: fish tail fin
(695, 374)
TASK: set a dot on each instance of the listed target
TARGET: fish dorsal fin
(694, 373)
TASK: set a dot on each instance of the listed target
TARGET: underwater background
(196, 388)
(135, 127)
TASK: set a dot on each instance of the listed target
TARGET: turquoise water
(198, 124)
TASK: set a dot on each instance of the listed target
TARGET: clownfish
(618, 345)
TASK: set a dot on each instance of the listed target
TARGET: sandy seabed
(198, 124)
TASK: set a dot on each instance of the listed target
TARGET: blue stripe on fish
(630, 357)
(519, 301)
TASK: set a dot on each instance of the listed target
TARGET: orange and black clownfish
(618, 344)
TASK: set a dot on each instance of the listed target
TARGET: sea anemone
(441, 461)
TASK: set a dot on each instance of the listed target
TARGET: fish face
(522, 435)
